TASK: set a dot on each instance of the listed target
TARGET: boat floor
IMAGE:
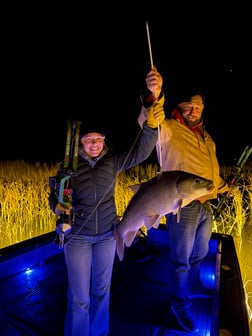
(33, 299)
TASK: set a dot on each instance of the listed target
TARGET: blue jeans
(189, 244)
(89, 261)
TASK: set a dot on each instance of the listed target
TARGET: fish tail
(129, 237)
(119, 244)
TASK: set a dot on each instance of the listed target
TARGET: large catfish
(165, 193)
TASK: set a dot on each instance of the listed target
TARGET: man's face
(192, 111)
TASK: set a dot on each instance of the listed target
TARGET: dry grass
(25, 213)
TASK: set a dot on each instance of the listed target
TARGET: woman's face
(93, 144)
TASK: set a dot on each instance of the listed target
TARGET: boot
(196, 286)
(182, 312)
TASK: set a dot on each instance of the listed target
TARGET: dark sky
(63, 63)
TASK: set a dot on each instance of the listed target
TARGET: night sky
(63, 63)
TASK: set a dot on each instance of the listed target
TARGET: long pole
(149, 43)
(152, 65)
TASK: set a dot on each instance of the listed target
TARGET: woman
(89, 243)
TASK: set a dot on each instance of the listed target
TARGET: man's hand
(154, 82)
(155, 115)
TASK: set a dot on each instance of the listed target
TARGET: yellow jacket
(179, 148)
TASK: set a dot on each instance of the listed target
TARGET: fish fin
(119, 244)
(157, 222)
(179, 210)
(152, 221)
(135, 187)
(129, 237)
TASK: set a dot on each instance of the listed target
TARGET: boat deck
(33, 285)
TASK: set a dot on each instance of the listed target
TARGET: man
(184, 144)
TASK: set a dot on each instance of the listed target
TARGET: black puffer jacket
(94, 209)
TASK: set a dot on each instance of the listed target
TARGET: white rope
(160, 149)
